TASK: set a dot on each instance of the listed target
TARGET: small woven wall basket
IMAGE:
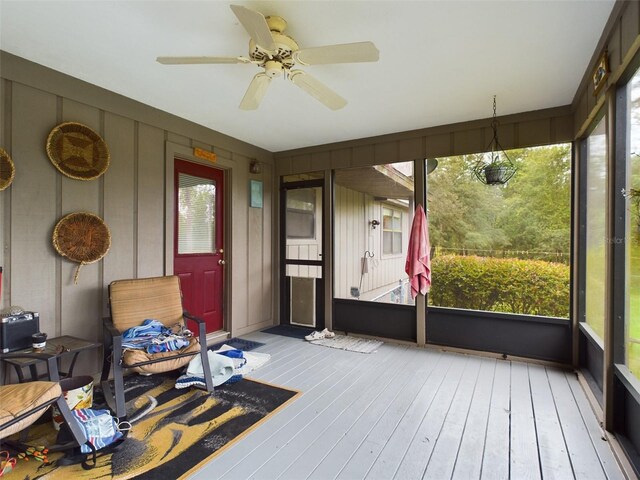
(82, 237)
(77, 151)
(7, 169)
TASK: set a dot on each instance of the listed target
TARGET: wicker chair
(130, 303)
(23, 403)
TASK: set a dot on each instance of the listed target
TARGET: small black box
(16, 331)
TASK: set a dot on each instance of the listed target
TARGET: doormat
(352, 344)
(184, 431)
(289, 331)
(238, 344)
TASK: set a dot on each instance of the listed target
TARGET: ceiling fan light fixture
(495, 168)
(273, 68)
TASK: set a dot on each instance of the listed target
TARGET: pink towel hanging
(418, 264)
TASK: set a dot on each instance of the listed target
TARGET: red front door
(198, 253)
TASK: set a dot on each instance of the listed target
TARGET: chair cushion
(134, 356)
(134, 301)
(21, 398)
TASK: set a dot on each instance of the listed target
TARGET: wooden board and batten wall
(540, 127)
(131, 197)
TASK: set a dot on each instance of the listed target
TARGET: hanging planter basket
(81, 237)
(496, 174)
(77, 151)
(7, 169)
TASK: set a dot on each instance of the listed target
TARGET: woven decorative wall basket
(7, 169)
(77, 151)
(82, 237)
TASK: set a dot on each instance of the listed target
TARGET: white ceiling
(440, 61)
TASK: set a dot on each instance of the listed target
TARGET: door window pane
(196, 214)
(596, 193)
(301, 213)
(303, 223)
(632, 254)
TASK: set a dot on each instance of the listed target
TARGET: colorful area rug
(352, 344)
(185, 430)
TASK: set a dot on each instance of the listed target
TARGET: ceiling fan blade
(200, 60)
(255, 92)
(344, 53)
(317, 89)
(256, 25)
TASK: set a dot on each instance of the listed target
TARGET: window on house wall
(391, 231)
(373, 211)
(502, 248)
(596, 231)
(632, 220)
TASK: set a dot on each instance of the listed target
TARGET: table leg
(73, 363)
(19, 373)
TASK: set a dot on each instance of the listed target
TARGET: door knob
(220, 262)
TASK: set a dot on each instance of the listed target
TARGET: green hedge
(509, 285)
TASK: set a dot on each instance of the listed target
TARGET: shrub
(533, 287)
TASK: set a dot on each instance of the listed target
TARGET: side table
(69, 346)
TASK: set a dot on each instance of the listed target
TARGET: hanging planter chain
(499, 170)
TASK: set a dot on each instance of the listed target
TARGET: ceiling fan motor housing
(284, 53)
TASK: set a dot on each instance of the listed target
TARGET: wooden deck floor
(409, 413)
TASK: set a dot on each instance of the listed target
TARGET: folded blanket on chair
(153, 337)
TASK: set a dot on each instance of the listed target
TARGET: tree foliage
(527, 220)
(530, 214)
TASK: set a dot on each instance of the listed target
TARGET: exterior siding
(353, 211)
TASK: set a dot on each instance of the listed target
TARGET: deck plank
(296, 359)
(418, 395)
(524, 443)
(409, 431)
(442, 453)
(607, 460)
(469, 460)
(301, 455)
(405, 386)
(365, 370)
(583, 456)
(313, 384)
(497, 445)
(554, 457)
(365, 416)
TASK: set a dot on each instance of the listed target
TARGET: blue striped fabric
(99, 427)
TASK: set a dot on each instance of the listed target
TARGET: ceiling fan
(277, 54)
